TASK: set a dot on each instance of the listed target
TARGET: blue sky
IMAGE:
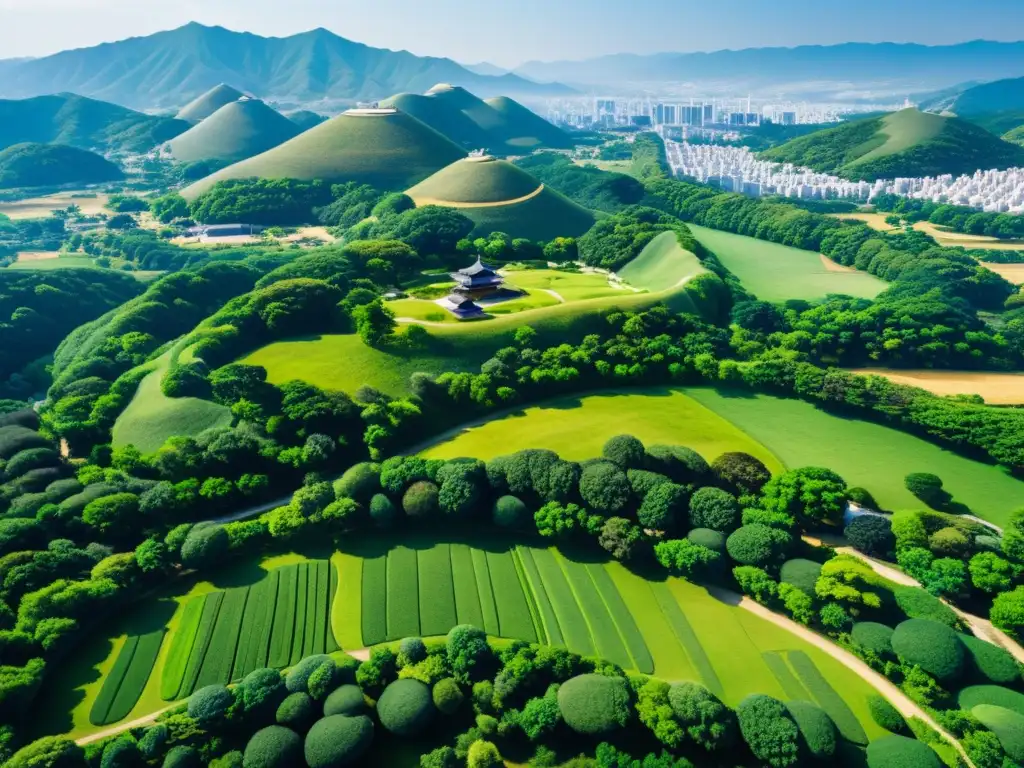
(509, 32)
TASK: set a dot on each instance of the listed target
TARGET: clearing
(774, 272)
(91, 203)
(995, 388)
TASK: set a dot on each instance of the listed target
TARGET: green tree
(375, 323)
(813, 495)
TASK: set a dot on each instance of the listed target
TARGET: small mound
(273, 746)
(481, 113)
(384, 148)
(901, 752)
(475, 180)
(1007, 725)
(990, 662)
(662, 264)
(932, 646)
(44, 165)
(996, 695)
(234, 132)
(406, 707)
(522, 125)
(338, 740)
(205, 105)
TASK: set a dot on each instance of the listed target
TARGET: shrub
(990, 662)
(932, 646)
(684, 557)
(872, 535)
(862, 497)
(204, 546)
(1008, 611)
(605, 488)
(705, 719)
(540, 716)
(662, 507)
(405, 708)
(901, 752)
(595, 705)
(231, 759)
(714, 508)
(909, 530)
(297, 711)
(885, 714)
(706, 537)
(122, 752)
(926, 486)
(768, 730)
(643, 482)
(741, 471)
(360, 482)
(916, 603)
(273, 747)
(483, 754)
(447, 695)
(972, 695)
(467, 650)
(810, 494)
(510, 512)
(875, 637)
(154, 741)
(345, 700)
(620, 537)
(322, 681)
(817, 731)
(802, 574)
(1007, 725)
(183, 756)
(298, 676)
(420, 500)
(949, 542)
(383, 511)
(626, 451)
(411, 650)
(262, 690)
(338, 740)
(210, 705)
(680, 464)
(988, 544)
(757, 545)
(834, 616)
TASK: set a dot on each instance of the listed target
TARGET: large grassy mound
(476, 109)
(443, 117)
(234, 132)
(526, 129)
(205, 105)
(662, 264)
(499, 197)
(904, 143)
(384, 148)
(45, 165)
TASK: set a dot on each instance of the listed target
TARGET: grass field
(995, 388)
(571, 286)
(61, 262)
(577, 428)
(151, 417)
(775, 272)
(40, 207)
(902, 130)
(661, 265)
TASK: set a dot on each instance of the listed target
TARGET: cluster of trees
(616, 240)
(959, 218)
(261, 201)
(590, 187)
(29, 235)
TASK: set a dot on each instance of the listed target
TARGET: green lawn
(571, 286)
(661, 265)
(775, 272)
(577, 428)
(151, 417)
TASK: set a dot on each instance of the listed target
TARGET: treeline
(958, 218)
(590, 187)
(616, 240)
(29, 235)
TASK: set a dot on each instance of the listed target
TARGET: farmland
(994, 388)
(40, 207)
(775, 272)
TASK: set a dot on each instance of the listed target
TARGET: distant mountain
(900, 144)
(45, 165)
(897, 66)
(305, 119)
(168, 69)
(486, 68)
(999, 96)
(234, 132)
(206, 104)
(83, 123)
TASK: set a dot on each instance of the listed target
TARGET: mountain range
(879, 66)
(168, 69)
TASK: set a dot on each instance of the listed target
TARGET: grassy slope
(571, 286)
(775, 272)
(44, 165)
(661, 264)
(475, 180)
(901, 131)
(526, 128)
(393, 152)
(546, 216)
(442, 117)
(151, 417)
(234, 132)
(208, 103)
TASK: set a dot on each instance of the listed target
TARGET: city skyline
(532, 30)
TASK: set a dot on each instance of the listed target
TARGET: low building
(477, 281)
(463, 307)
(226, 230)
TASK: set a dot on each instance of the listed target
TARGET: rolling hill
(443, 117)
(205, 105)
(500, 197)
(526, 129)
(171, 68)
(385, 148)
(83, 123)
(234, 132)
(45, 165)
(305, 119)
(1005, 95)
(904, 143)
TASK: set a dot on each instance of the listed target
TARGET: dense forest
(43, 165)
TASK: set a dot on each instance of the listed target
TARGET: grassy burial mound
(444, 117)
(904, 143)
(384, 148)
(526, 129)
(236, 131)
(205, 105)
(476, 109)
(499, 197)
(45, 165)
(774, 272)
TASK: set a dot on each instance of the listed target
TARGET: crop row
(181, 647)
(127, 679)
(687, 638)
(827, 697)
(794, 690)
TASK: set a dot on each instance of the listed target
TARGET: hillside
(1000, 96)
(305, 119)
(83, 123)
(381, 147)
(205, 105)
(904, 143)
(168, 69)
(443, 117)
(234, 132)
(44, 165)
(527, 129)
(500, 197)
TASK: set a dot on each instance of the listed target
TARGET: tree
(927, 487)
(605, 489)
(745, 473)
(871, 534)
(684, 557)
(1013, 537)
(112, 515)
(662, 507)
(375, 323)
(768, 730)
(704, 718)
(715, 509)
(756, 583)
(991, 573)
(758, 545)
(122, 221)
(812, 495)
(625, 450)
(204, 546)
(1008, 612)
(620, 537)
(467, 651)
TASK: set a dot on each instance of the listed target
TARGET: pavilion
(477, 282)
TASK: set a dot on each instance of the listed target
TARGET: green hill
(500, 197)
(305, 119)
(83, 123)
(475, 108)
(444, 117)
(46, 165)
(998, 96)
(904, 143)
(205, 105)
(527, 129)
(234, 132)
(1016, 136)
(384, 148)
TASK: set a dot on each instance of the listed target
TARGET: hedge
(182, 756)
(706, 537)
(901, 752)
(932, 646)
(802, 574)
(406, 708)
(873, 636)
(338, 740)
(360, 482)
(680, 464)
(1007, 725)
(885, 714)
(273, 747)
(973, 695)
(916, 603)
(817, 731)
(345, 700)
(990, 662)
(595, 705)
(297, 711)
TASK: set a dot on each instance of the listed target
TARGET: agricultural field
(775, 272)
(994, 388)
(40, 207)
(941, 235)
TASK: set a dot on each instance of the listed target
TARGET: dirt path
(877, 681)
(556, 294)
(421, 201)
(832, 266)
(116, 729)
(417, 321)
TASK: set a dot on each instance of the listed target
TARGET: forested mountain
(171, 68)
(999, 96)
(44, 165)
(904, 143)
(895, 65)
(84, 123)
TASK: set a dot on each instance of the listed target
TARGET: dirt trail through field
(832, 266)
(421, 201)
(38, 255)
(556, 294)
(120, 727)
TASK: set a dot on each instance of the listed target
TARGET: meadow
(661, 265)
(774, 272)
(994, 388)
(40, 207)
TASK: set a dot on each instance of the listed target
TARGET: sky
(508, 33)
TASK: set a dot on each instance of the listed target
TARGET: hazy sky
(509, 32)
